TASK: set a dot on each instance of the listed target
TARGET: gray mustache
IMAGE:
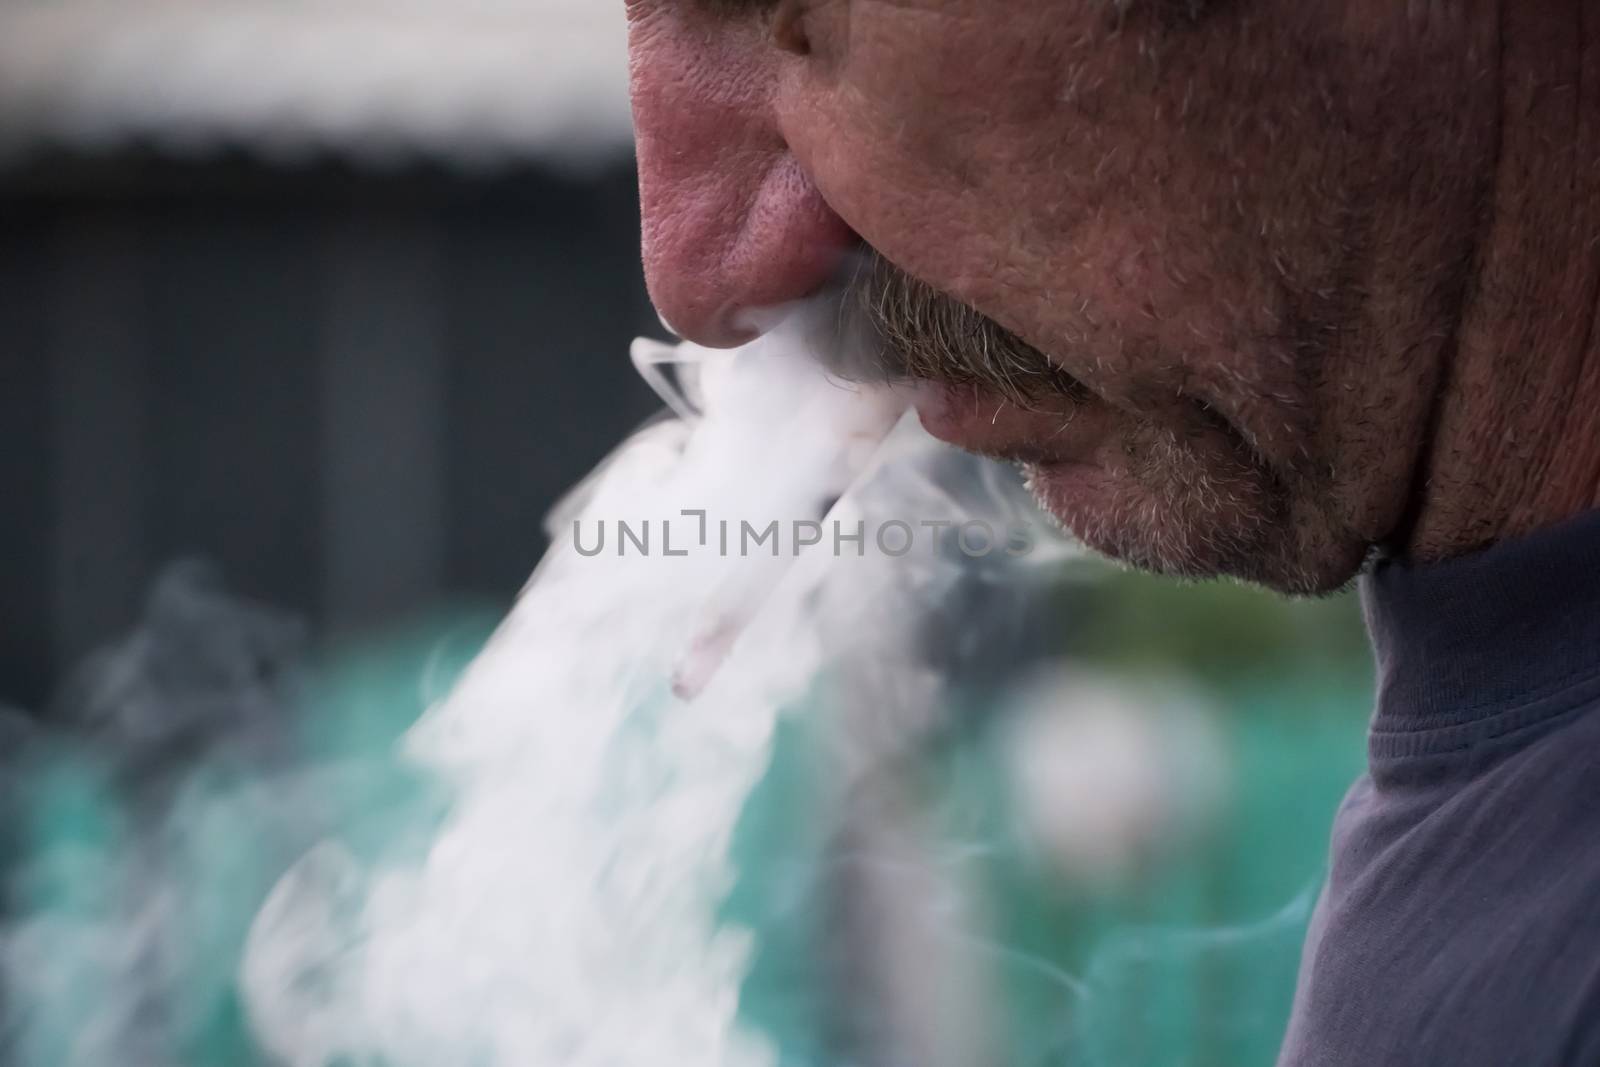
(902, 329)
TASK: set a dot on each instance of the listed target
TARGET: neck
(1516, 442)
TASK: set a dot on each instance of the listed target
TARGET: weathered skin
(1328, 267)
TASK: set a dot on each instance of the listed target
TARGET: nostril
(794, 270)
(792, 245)
(732, 224)
(724, 262)
(789, 28)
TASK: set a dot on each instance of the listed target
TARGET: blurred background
(335, 295)
(332, 301)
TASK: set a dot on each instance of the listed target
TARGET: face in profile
(1194, 265)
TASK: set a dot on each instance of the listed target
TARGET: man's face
(1197, 265)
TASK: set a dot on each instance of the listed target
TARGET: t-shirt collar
(1497, 630)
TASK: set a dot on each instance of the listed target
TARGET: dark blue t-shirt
(1460, 926)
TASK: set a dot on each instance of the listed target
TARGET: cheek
(1109, 207)
(905, 110)
(1014, 174)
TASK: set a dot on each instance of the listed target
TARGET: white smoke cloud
(554, 896)
(566, 913)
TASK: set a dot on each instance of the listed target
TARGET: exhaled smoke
(595, 857)
(567, 913)
(142, 820)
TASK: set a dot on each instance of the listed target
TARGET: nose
(732, 226)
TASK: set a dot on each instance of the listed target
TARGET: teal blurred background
(1189, 964)
(1188, 960)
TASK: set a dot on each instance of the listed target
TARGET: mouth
(1055, 434)
(975, 384)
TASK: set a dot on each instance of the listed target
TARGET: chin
(1239, 532)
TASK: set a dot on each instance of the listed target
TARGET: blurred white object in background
(472, 82)
(1110, 777)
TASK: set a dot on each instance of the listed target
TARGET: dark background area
(357, 390)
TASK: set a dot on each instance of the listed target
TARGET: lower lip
(1065, 435)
